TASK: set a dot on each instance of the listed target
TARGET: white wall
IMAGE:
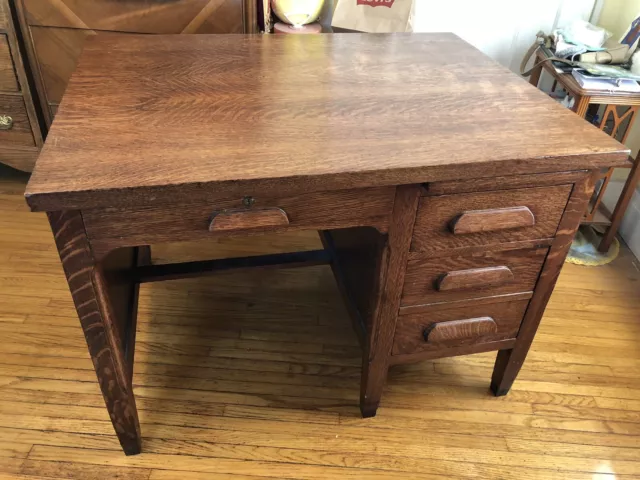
(615, 16)
(503, 29)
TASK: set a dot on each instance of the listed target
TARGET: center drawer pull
(475, 221)
(459, 329)
(474, 278)
(243, 218)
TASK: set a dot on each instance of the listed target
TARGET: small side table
(620, 112)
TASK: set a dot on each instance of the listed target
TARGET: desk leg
(379, 341)
(90, 291)
(621, 206)
(581, 105)
(534, 79)
(509, 362)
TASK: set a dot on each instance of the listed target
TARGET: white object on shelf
(605, 84)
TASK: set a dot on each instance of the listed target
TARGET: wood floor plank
(75, 470)
(255, 376)
(186, 475)
(221, 465)
(10, 465)
(294, 464)
(10, 449)
(57, 438)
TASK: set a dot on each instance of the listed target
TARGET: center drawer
(149, 224)
(450, 222)
(472, 275)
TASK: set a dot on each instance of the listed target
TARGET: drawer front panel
(450, 222)
(139, 16)
(319, 210)
(459, 277)
(442, 328)
(8, 80)
(15, 128)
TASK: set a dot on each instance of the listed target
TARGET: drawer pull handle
(240, 219)
(474, 278)
(6, 122)
(475, 221)
(460, 329)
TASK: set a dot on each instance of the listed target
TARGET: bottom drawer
(446, 326)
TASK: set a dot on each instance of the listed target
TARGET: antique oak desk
(446, 189)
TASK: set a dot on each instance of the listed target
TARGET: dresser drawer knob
(242, 219)
(459, 329)
(475, 221)
(474, 278)
(6, 122)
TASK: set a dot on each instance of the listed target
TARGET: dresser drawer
(8, 80)
(450, 222)
(319, 210)
(5, 15)
(472, 275)
(443, 327)
(15, 128)
(139, 16)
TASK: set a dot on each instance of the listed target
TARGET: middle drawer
(460, 277)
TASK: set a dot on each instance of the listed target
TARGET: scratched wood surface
(204, 115)
(256, 375)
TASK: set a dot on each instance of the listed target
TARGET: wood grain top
(168, 118)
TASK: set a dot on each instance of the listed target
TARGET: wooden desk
(621, 110)
(446, 189)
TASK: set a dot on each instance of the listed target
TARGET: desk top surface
(184, 116)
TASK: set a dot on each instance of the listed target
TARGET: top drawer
(450, 222)
(139, 16)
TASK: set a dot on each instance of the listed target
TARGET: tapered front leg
(374, 378)
(103, 331)
(379, 341)
(509, 362)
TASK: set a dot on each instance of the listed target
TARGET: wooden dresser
(55, 30)
(446, 208)
(20, 133)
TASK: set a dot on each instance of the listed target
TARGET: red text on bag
(377, 3)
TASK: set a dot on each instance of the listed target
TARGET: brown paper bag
(373, 16)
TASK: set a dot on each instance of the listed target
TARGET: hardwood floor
(255, 375)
